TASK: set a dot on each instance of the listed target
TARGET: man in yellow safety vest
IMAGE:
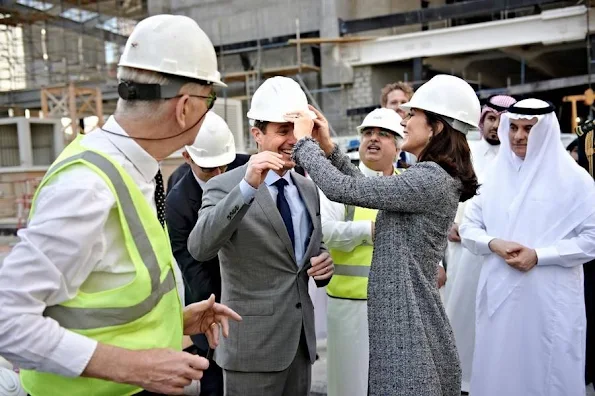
(349, 233)
(91, 297)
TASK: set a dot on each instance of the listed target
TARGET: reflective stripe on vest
(91, 318)
(144, 313)
(350, 279)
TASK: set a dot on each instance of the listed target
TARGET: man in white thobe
(534, 221)
(463, 267)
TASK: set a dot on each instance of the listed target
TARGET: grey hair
(144, 109)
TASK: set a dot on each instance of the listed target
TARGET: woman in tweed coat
(412, 349)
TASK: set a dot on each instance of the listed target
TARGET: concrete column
(334, 70)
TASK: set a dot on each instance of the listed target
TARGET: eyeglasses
(381, 133)
(222, 168)
(210, 99)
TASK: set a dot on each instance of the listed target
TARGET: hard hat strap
(130, 90)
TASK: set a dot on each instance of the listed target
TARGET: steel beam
(31, 98)
(538, 86)
(426, 15)
(550, 27)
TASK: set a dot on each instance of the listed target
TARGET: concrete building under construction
(58, 61)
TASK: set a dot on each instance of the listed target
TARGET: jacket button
(298, 305)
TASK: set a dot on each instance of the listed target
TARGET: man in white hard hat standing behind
(349, 234)
(210, 155)
(264, 222)
(91, 297)
(534, 221)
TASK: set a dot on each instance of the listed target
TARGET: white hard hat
(276, 97)
(383, 118)
(451, 97)
(214, 145)
(172, 44)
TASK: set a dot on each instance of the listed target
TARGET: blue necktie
(283, 207)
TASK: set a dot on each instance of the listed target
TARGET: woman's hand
(302, 124)
(321, 132)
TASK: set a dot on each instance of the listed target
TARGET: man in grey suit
(264, 222)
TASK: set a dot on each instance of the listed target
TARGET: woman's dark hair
(450, 150)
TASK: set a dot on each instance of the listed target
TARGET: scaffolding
(57, 42)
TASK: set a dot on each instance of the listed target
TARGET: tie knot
(280, 183)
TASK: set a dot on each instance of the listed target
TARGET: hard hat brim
(361, 128)
(212, 162)
(407, 106)
(257, 117)
(214, 81)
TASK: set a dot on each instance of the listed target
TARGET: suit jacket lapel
(311, 206)
(269, 207)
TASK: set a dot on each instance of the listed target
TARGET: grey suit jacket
(260, 277)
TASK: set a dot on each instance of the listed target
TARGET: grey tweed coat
(412, 348)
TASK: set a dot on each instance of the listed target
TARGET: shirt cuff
(71, 356)
(482, 244)
(364, 230)
(248, 192)
(548, 256)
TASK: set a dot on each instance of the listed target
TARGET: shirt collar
(272, 177)
(200, 182)
(143, 161)
(487, 148)
(370, 172)
(517, 162)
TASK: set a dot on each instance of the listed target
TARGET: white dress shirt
(201, 183)
(73, 242)
(338, 233)
(299, 214)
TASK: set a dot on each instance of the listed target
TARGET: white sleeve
(56, 253)
(338, 233)
(573, 251)
(472, 230)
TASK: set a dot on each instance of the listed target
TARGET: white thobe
(533, 342)
(463, 268)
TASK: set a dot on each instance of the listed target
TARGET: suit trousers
(295, 380)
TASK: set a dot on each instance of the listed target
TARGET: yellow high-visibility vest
(350, 279)
(145, 313)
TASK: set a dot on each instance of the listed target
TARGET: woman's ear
(439, 127)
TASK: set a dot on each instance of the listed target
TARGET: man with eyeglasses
(210, 155)
(92, 299)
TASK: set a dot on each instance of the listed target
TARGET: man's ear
(182, 111)
(187, 158)
(256, 134)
